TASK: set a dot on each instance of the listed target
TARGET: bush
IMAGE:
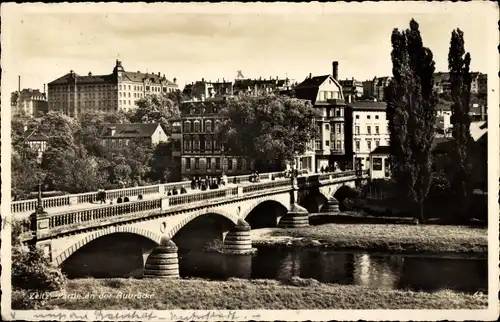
(31, 270)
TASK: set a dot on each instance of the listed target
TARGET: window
(196, 144)
(369, 129)
(318, 145)
(377, 130)
(209, 163)
(188, 163)
(377, 143)
(197, 126)
(197, 164)
(339, 128)
(369, 145)
(187, 126)
(208, 126)
(368, 116)
(327, 143)
(230, 164)
(217, 163)
(357, 117)
(376, 117)
(339, 145)
(357, 130)
(327, 127)
(338, 112)
(208, 144)
(357, 145)
(377, 164)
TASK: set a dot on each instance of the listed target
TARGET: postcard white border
(489, 13)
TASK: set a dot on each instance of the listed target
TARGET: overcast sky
(44, 42)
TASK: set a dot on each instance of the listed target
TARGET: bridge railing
(96, 214)
(88, 197)
(59, 220)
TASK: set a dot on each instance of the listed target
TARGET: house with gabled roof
(327, 97)
(119, 135)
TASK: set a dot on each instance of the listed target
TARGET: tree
(26, 172)
(155, 108)
(411, 111)
(75, 171)
(460, 81)
(268, 129)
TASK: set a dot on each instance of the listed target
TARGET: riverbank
(383, 238)
(237, 294)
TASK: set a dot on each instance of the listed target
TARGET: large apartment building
(201, 153)
(352, 88)
(72, 93)
(325, 93)
(479, 83)
(368, 128)
(262, 86)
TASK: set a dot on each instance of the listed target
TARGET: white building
(370, 129)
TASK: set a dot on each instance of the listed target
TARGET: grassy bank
(258, 294)
(395, 238)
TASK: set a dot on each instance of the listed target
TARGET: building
(38, 142)
(325, 93)
(477, 113)
(479, 83)
(375, 88)
(116, 136)
(352, 88)
(262, 86)
(201, 90)
(201, 153)
(368, 127)
(379, 163)
(29, 102)
(72, 93)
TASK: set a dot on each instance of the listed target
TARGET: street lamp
(222, 158)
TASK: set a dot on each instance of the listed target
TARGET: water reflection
(418, 273)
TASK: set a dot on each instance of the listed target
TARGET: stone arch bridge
(269, 203)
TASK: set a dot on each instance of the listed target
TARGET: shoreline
(404, 239)
(239, 294)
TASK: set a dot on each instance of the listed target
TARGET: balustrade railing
(81, 216)
(66, 200)
(108, 211)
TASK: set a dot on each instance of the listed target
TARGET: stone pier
(163, 262)
(238, 240)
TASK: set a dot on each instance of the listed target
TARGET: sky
(41, 42)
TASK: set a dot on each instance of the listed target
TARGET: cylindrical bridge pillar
(296, 217)
(331, 206)
(238, 240)
(163, 262)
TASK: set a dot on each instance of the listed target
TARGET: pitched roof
(130, 130)
(368, 105)
(308, 89)
(447, 107)
(140, 77)
(90, 79)
(35, 135)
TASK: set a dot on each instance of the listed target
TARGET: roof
(140, 77)
(91, 79)
(368, 105)
(36, 136)
(381, 149)
(447, 107)
(130, 130)
(477, 130)
(308, 89)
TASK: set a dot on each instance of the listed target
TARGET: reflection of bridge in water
(116, 235)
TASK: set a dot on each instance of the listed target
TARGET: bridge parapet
(52, 224)
(88, 197)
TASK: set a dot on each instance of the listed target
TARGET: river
(388, 271)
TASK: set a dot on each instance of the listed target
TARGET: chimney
(112, 130)
(203, 80)
(159, 74)
(19, 83)
(335, 70)
(44, 89)
(90, 73)
(310, 75)
(175, 80)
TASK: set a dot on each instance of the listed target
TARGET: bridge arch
(233, 218)
(265, 212)
(100, 233)
(314, 199)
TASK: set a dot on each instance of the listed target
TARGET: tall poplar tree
(460, 81)
(411, 109)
